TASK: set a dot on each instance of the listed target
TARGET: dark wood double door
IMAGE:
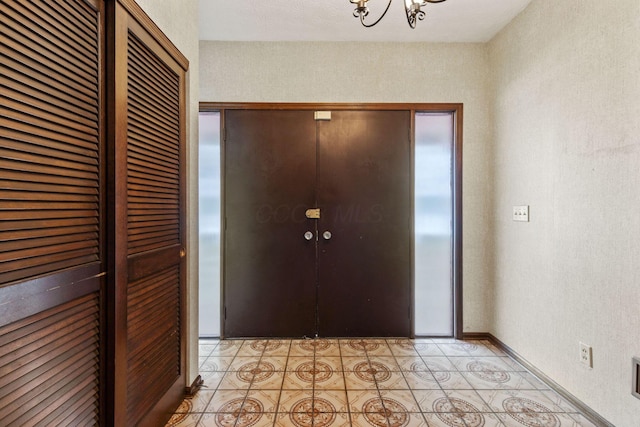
(346, 273)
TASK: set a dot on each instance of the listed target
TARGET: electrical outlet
(521, 213)
(586, 355)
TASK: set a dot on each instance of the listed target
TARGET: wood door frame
(455, 108)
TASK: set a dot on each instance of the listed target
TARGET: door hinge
(225, 313)
(224, 134)
(409, 311)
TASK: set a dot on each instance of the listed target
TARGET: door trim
(455, 108)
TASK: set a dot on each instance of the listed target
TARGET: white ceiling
(332, 20)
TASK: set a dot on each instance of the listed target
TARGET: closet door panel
(149, 229)
(52, 265)
(269, 183)
(364, 191)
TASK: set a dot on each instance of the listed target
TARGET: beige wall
(178, 20)
(376, 72)
(566, 78)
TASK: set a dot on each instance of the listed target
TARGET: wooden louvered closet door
(149, 223)
(52, 264)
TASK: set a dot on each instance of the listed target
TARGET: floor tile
(515, 366)
(349, 363)
(358, 398)
(490, 420)
(330, 401)
(200, 401)
(352, 348)
(252, 348)
(363, 345)
(428, 350)
(540, 419)
(319, 419)
(292, 400)
(445, 420)
(391, 381)
(329, 380)
(301, 348)
(429, 399)
(242, 418)
(467, 401)
(378, 370)
(227, 348)
(581, 420)
(534, 381)
(365, 382)
(294, 381)
(477, 349)
(359, 381)
(438, 363)
(452, 381)
(497, 380)
(298, 362)
(277, 363)
(225, 400)
(379, 349)
(263, 401)
(201, 361)
(465, 364)
(422, 380)
(211, 380)
(411, 363)
(560, 403)
(233, 381)
(401, 400)
(184, 420)
(217, 363)
(335, 363)
(389, 362)
(327, 348)
(268, 381)
(403, 343)
(443, 340)
(277, 348)
(454, 349)
(517, 401)
(462, 419)
(242, 362)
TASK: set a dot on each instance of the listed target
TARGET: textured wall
(178, 20)
(566, 77)
(376, 72)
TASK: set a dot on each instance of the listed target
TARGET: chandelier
(411, 7)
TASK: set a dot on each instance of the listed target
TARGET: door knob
(326, 235)
(308, 235)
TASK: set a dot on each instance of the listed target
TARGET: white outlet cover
(586, 355)
(521, 213)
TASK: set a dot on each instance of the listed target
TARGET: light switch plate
(521, 213)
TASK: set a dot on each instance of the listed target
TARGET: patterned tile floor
(369, 382)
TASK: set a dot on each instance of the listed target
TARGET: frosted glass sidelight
(433, 224)
(209, 224)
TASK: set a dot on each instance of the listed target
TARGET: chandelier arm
(379, 19)
(434, 1)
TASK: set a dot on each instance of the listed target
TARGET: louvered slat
(153, 140)
(153, 339)
(49, 137)
(49, 364)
